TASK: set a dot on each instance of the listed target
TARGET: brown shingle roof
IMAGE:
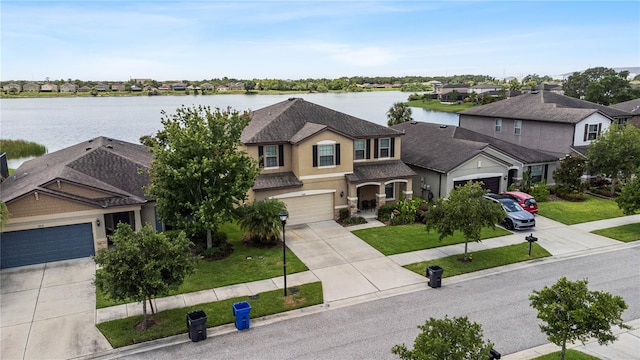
(276, 181)
(443, 148)
(107, 165)
(544, 106)
(380, 170)
(281, 122)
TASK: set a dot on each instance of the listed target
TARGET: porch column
(137, 220)
(353, 205)
(407, 194)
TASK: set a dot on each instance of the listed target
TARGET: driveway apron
(48, 311)
(347, 266)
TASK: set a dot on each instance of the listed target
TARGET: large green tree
(398, 113)
(451, 339)
(199, 172)
(142, 265)
(600, 85)
(570, 312)
(568, 175)
(466, 210)
(629, 199)
(616, 153)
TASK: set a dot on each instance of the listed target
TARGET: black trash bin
(197, 325)
(434, 273)
(494, 355)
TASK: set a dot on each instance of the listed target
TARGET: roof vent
(91, 140)
(291, 98)
(443, 126)
(413, 122)
(88, 148)
(109, 146)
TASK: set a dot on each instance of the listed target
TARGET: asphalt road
(499, 302)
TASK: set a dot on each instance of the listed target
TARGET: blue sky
(196, 40)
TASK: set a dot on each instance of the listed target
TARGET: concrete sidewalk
(351, 271)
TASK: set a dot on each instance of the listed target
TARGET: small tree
(568, 175)
(262, 221)
(4, 214)
(398, 113)
(142, 265)
(465, 210)
(570, 312)
(451, 339)
(629, 199)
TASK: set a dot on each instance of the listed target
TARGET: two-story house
(317, 160)
(543, 121)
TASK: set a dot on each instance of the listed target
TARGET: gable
(38, 203)
(77, 190)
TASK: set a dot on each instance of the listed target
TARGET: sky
(197, 40)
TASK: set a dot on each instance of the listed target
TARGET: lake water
(61, 122)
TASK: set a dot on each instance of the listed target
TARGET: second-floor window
(498, 125)
(592, 132)
(271, 156)
(517, 127)
(385, 146)
(326, 154)
(359, 149)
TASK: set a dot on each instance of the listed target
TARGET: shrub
(218, 252)
(344, 214)
(354, 220)
(540, 191)
(385, 211)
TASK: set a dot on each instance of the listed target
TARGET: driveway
(347, 266)
(48, 311)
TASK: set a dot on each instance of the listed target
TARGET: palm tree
(398, 113)
(261, 220)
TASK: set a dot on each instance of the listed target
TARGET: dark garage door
(28, 247)
(492, 184)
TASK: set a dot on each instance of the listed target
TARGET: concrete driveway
(48, 311)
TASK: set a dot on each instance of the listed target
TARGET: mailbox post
(530, 239)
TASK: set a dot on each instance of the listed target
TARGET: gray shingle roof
(276, 181)
(443, 148)
(284, 121)
(544, 106)
(379, 170)
(108, 165)
(631, 106)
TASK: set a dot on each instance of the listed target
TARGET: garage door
(492, 183)
(28, 247)
(310, 208)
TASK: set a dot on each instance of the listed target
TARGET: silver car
(517, 218)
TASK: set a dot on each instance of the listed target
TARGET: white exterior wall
(594, 119)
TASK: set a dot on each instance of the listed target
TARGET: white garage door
(309, 208)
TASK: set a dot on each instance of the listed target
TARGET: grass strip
(626, 233)
(569, 355)
(122, 332)
(483, 259)
(391, 240)
(576, 212)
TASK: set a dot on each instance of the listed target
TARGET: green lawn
(569, 355)
(246, 264)
(626, 233)
(436, 105)
(391, 240)
(484, 259)
(122, 332)
(570, 212)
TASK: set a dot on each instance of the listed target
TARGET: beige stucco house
(318, 161)
(64, 204)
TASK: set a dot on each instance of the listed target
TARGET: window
(517, 127)
(325, 155)
(389, 190)
(498, 125)
(359, 148)
(536, 173)
(385, 147)
(592, 132)
(271, 156)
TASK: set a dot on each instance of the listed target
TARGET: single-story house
(118, 87)
(445, 156)
(49, 87)
(64, 204)
(318, 161)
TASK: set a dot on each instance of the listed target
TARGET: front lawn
(122, 332)
(391, 240)
(569, 355)
(246, 264)
(483, 259)
(570, 212)
(626, 233)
